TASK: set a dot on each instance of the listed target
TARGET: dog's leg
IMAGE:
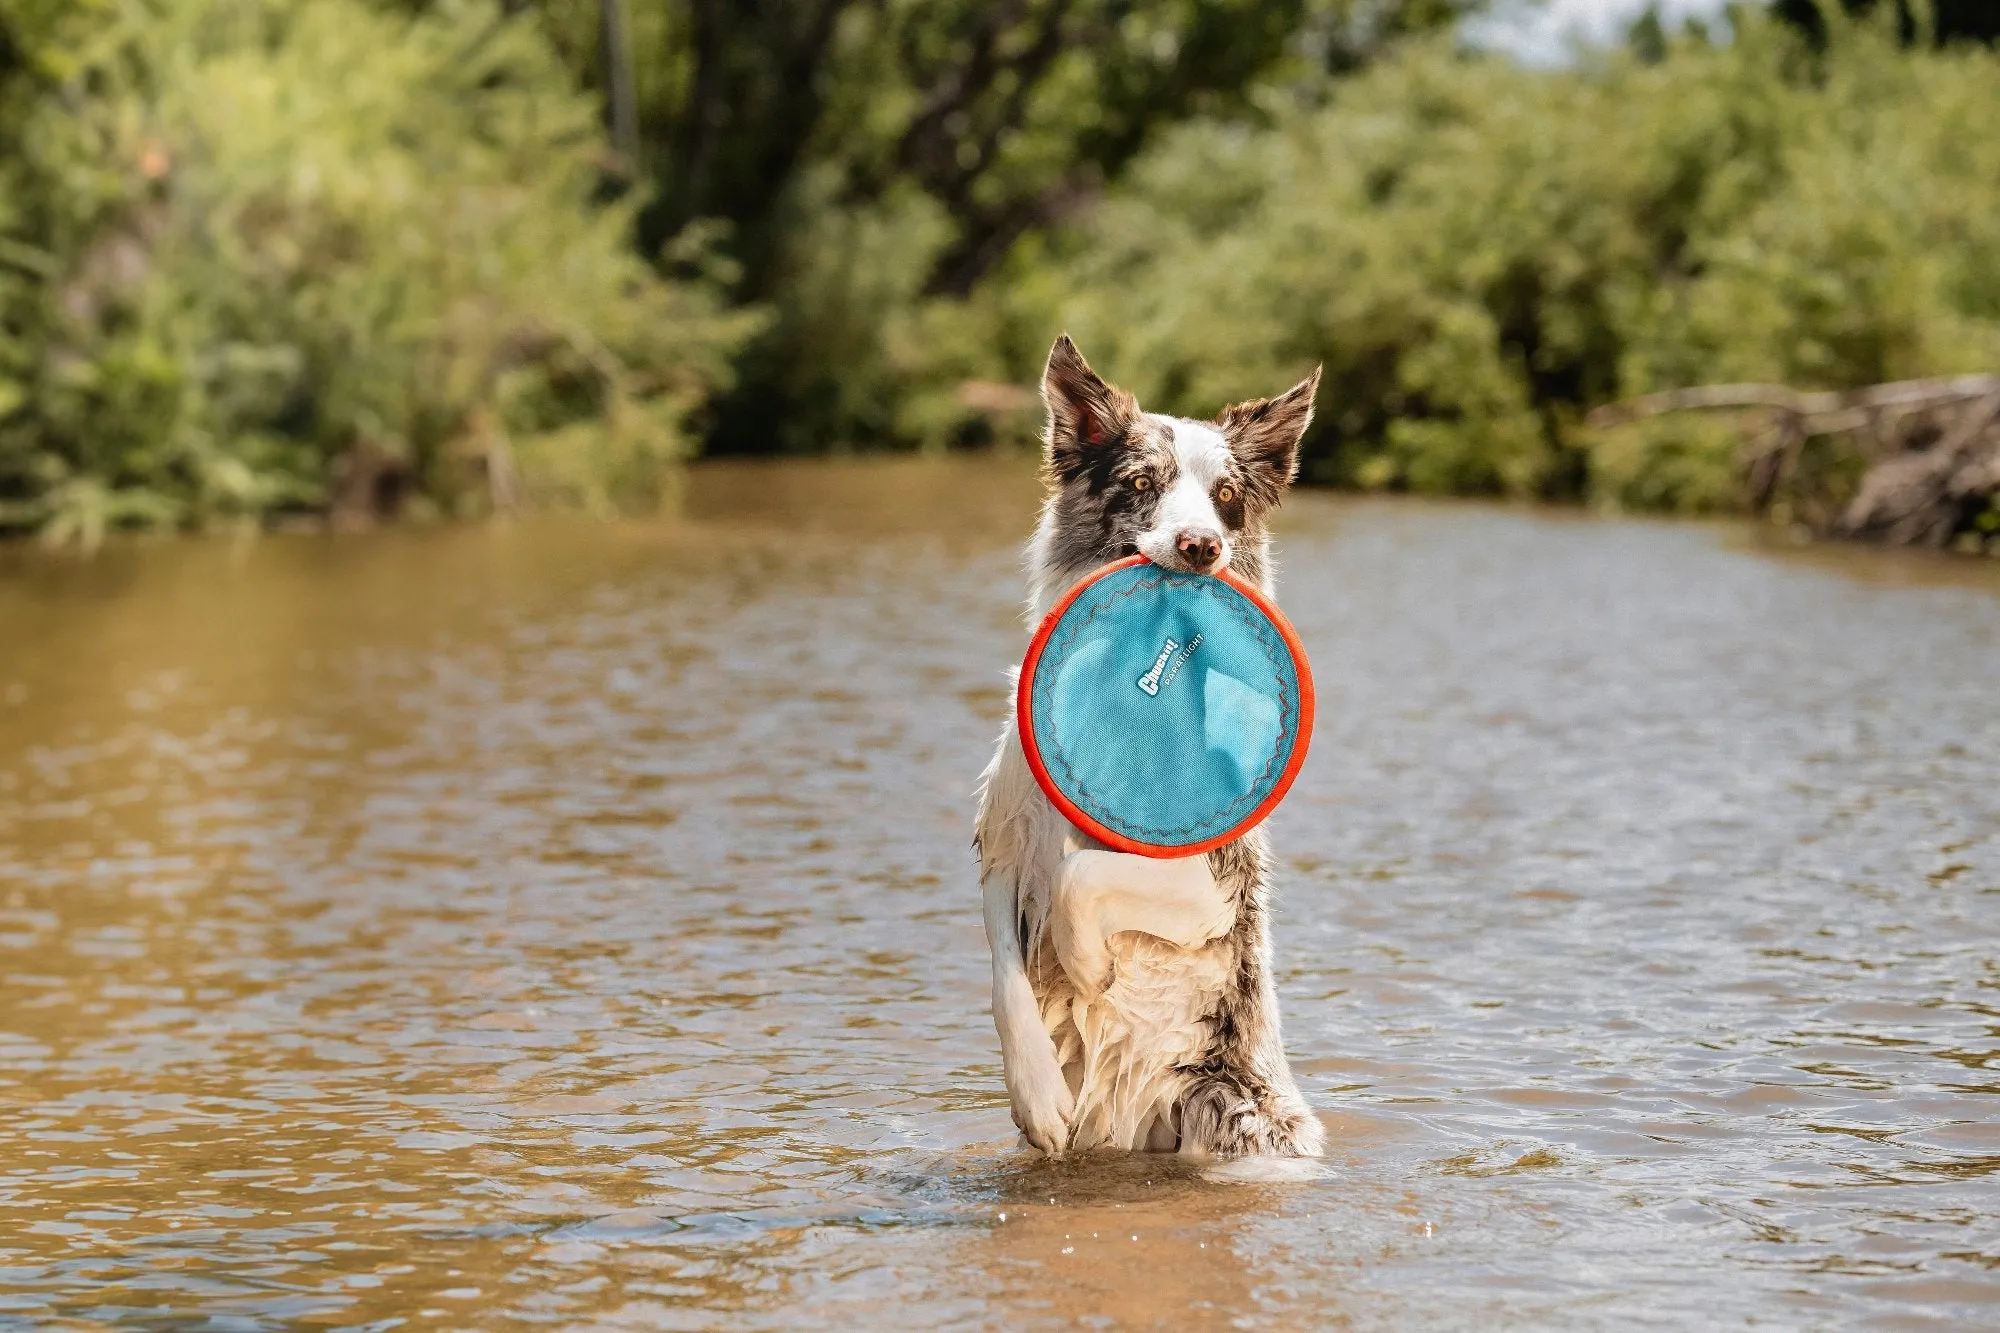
(1042, 1102)
(1225, 1117)
(1098, 894)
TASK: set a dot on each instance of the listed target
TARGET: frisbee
(1164, 713)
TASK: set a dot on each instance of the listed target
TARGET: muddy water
(572, 926)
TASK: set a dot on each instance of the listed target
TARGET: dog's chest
(1160, 1006)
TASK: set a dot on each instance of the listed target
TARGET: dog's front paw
(1085, 958)
(1076, 930)
(1043, 1108)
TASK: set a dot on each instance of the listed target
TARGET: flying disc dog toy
(1164, 713)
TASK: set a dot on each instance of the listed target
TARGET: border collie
(1133, 995)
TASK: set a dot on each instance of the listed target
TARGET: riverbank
(986, 490)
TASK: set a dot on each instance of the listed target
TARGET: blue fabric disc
(1165, 709)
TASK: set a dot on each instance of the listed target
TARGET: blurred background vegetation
(274, 258)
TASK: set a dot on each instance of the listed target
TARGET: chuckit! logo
(1150, 682)
(1160, 675)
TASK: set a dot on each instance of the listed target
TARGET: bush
(1480, 253)
(263, 255)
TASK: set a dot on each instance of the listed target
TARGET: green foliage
(269, 254)
(871, 158)
(1934, 21)
(936, 137)
(1480, 253)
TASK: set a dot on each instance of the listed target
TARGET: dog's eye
(1142, 483)
(1225, 493)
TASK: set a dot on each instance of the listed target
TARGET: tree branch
(924, 142)
(1823, 412)
(983, 242)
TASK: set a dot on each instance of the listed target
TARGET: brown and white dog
(1133, 995)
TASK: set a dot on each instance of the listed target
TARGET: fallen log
(1824, 408)
(1931, 449)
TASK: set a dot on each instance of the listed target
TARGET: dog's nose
(1199, 547)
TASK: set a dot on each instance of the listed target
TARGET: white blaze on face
(1201, 457)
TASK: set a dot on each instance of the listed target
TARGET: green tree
(1938, 21)
(871, 161)
(1480, 253)
(270, 254)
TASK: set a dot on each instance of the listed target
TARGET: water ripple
(574, 925)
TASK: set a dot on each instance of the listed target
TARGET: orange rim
(1024, 723)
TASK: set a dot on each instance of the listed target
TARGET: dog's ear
(1264, 434)
(1086, 415)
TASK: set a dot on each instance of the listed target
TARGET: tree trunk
(621, 98)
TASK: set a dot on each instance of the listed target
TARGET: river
(572, 925)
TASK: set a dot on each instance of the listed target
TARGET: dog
(1133, 995)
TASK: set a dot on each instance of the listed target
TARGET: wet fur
(1181, 1049)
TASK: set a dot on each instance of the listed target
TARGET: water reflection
(572, 924)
